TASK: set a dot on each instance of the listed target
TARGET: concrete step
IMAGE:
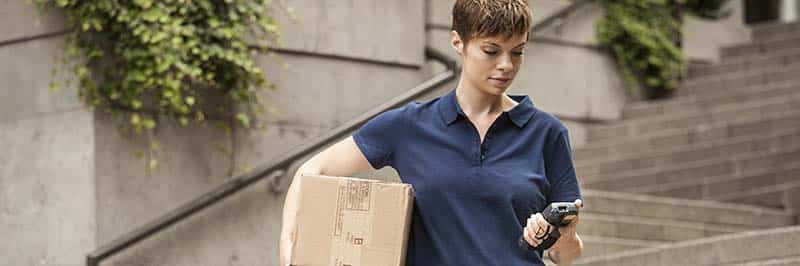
(716, 186)
(722, 147)
(756, 56)
(768, 46)
(734, 112)
(726, 82)
(600, 246)
(728, 70)
(784, 261)
(761, 245)
(643, 228)
(701, 103)
(746, 63)
(613, 148)
(775, 31)
(723, 184)
(720, 113)
(694, 211)
(732, 165)
(776, 196)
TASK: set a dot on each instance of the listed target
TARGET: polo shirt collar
(519, 115)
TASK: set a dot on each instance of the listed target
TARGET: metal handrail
(284, 161)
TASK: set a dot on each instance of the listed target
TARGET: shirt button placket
(484, 149)
(480, 152)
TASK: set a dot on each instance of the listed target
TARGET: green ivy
(168, 57)
(644, 37)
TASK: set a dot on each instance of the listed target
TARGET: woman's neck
(476, 102)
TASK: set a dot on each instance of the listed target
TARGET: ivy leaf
(244, 119)
(213, 22)
(151, 15)
(144, 4)
(136, 119)
(136, 104)
(54, 86)
(149, 123)
(653, 82)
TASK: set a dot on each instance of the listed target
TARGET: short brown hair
(489, 18)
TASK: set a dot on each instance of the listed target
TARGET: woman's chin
(495, 90)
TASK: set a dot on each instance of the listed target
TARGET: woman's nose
(505, 63)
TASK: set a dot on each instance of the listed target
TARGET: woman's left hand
(536, 229)
(569, 246)
(571, 228)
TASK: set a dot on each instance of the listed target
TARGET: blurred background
(706, 174)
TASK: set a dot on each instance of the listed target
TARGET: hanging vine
(179, 59)
(644, 37)
(168, 57)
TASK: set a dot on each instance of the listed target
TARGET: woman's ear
(456, 42)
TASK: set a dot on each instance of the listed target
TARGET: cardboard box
(346, 221)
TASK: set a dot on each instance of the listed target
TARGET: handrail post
(91, 260)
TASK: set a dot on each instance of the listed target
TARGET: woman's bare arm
(569, 246)
(567, 251)
(341, 159)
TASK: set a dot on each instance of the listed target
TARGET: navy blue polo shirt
(472, 199)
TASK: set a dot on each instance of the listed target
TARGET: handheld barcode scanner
(559, 214)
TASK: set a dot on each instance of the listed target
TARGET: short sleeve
(379, 137)
(564, 186)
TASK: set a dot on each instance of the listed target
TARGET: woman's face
(491, 63)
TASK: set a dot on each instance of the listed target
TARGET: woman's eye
(495, 52)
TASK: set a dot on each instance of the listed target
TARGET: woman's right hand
(537, 230)
(287, 231)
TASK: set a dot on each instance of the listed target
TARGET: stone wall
(704, 38)
(47, 193)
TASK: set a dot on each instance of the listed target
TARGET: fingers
(579, 205)
(537, 229)
(529, 234)
(544, 227)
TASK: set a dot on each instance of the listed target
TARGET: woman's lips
(500, 81)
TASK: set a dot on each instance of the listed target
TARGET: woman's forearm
(290, 212)
(566, 250)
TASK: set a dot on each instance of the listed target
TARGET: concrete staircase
(778, 246)
(617, 221)
(709, 177)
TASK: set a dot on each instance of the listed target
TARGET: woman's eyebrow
(494, 44)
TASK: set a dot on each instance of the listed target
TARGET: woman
(481, 162)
